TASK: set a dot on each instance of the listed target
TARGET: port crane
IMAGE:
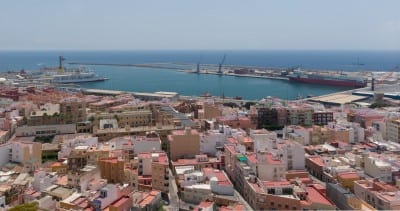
(198, 66)
(61, 60)
(220, 64)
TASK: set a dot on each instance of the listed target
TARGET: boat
(62, 75)
(78, 75)
(327, 79)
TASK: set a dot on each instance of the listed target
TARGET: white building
(210, 140)
(262, 138)
(5, 154)
(150, 142)
(108, 195)
(42, 180)
(81, 179)
(267, 166)
(378, 169)
(68, 144)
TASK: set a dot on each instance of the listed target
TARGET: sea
(151, 80)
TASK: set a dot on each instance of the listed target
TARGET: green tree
(26, 207)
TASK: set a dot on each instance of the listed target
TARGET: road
(173, 194)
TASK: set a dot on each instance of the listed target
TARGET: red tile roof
(315, 197)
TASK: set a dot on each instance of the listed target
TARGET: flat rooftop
(338, 99)
(103, 92)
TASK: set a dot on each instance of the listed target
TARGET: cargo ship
(327, 79)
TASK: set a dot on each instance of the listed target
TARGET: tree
(248, 104)
(26, 207)
(91, 118)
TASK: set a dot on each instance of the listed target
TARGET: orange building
(59, 167)
(346, 179)
(122, 204)
(112, 169)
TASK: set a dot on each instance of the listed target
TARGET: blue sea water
(150, 80)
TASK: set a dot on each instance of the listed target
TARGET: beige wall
(187, 144)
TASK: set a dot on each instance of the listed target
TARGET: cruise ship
(78, 75)
(61, 75)
(327, 79)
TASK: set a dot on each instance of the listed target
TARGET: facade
(378, 169)
(127, 118)
(322, 117)
(45, 130)
(300, 115)
(112, 169)
(154, 165)
(43, 180)
(271, 116)
(27, 153)
(346, 179)
(393, 130)
(183, 143)
(148, 143)
(380, 195)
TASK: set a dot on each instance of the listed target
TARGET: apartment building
(380, 195)
(112, 169)
(393, 130)
(183, 144)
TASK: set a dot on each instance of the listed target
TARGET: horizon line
(194, 49)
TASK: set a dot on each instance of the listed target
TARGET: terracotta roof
(315, 197)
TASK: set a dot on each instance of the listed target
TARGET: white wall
(4, 154)
(146, 145)
(209, 142)
(43, 180)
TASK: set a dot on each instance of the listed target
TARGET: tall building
(112, 169)
(73, 110)
(183, 144)
(154, 164)
(300, 115)
(393, 130)
(271, 116)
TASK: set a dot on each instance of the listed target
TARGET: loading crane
(198, 66)
(61, 60)
(220, 64)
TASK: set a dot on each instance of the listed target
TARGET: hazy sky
(201, 24)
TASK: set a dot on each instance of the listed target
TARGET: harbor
(187, 79)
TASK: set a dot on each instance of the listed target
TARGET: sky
(201, 25)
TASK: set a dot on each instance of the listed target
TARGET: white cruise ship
(78, 75)
(63, 75)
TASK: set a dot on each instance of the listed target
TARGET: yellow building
(127, 118)
(320, 135)
(346, 179)
(59, 167)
